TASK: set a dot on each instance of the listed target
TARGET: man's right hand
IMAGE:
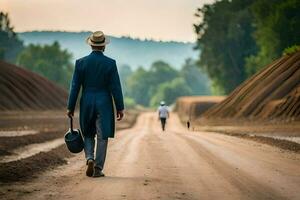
(70, 113)
(120, 115)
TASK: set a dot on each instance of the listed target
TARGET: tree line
(10, 44)
(239, 37)
(162, 82)
(141, 87)
(50, 61)
(236, 38)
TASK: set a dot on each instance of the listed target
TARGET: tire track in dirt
(29, 168)
(31, 150)
(17, 133)
(11, 143)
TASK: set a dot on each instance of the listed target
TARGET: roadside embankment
(192, 107)
(265, 108)
(271, 94)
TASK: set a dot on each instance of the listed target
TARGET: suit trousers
(89, 146)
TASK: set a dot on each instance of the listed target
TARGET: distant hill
(21, 89)
(133, 52)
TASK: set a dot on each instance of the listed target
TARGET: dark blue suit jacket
(98, 77)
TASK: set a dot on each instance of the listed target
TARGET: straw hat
(97, 39)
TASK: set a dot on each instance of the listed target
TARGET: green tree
(195, 79)
(225, 40)
(125, 72)
(139, 86)
(143, 84)
(160, 72)
(170, 91)
(277, 27)
(49, 61)
(163, 82)
(129, 103)
(2, 53)
(10, 45)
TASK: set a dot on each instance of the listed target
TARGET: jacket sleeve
(74, 88)
(115, 88)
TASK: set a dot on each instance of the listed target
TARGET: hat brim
(91, 43)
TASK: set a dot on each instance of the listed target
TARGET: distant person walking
(163, 114)
(188, 124)
(98, 77)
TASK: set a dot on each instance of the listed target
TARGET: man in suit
(101, 97)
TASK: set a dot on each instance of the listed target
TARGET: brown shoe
(90, 168)
(98, 172)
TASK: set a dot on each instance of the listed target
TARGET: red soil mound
(274, 92)
(21, 89)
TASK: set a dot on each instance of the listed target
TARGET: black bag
(73, 139)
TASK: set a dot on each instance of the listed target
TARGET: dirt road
(145, 163)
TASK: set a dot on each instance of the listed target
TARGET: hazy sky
(156, 19)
